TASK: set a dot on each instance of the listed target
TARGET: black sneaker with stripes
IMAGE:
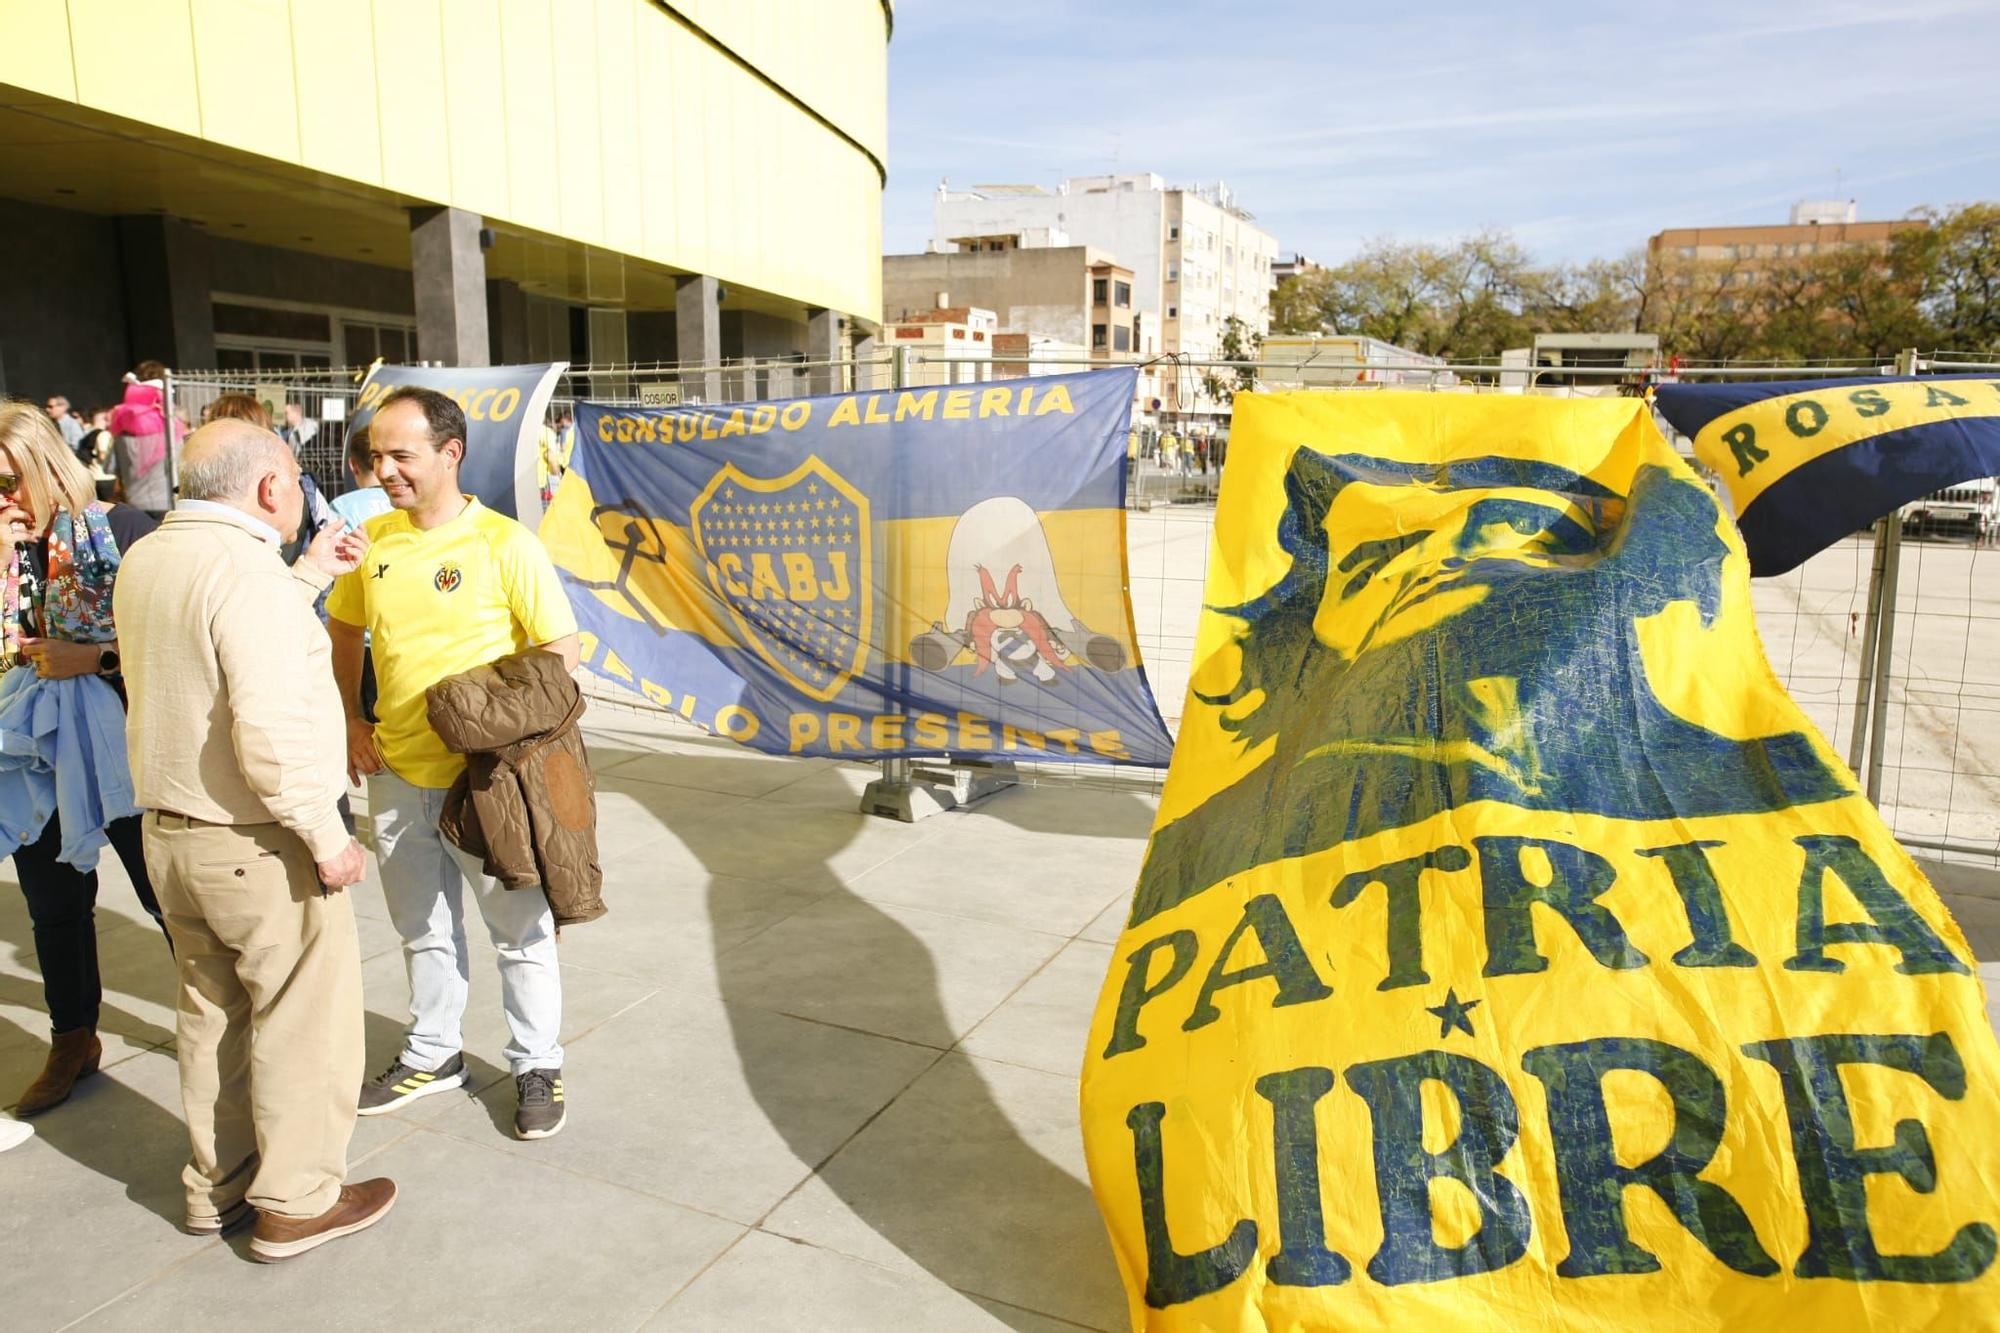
(541, 1112)
(400, 1084)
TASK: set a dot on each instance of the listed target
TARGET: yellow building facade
(611, 160)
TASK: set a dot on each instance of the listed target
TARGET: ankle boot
(72, 1055)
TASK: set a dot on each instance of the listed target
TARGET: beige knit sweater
(234, 715)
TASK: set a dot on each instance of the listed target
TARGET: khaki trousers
(269, 1014)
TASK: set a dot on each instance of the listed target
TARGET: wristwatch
(107, 661)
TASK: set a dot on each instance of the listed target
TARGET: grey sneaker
(400, 1084)
(541, 1113)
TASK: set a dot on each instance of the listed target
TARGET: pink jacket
(140, 413)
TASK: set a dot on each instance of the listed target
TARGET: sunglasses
(9, 480)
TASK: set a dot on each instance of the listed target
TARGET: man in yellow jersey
(448, 585)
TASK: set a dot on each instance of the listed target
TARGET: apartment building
(1197, 257)
(1750, 255)
(956, 343)
(1047, 295)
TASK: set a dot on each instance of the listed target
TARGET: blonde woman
(61, 558)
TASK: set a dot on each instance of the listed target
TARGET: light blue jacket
(62, 752)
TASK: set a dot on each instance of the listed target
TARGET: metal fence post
(896, 772)
(1885, 643)
(903, 792)
(1857, 740)
(173, 459)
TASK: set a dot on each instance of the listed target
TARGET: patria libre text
(1519, 889)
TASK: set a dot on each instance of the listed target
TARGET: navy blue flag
(1809, 461)
(914, 572)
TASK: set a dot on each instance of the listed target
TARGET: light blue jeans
(424, 879)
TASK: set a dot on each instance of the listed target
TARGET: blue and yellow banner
(1510, 952)
(917, 572)
(1807, 462)
(504, 409)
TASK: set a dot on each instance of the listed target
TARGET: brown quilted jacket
(525, 804)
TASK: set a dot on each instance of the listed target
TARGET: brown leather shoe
(358, 1208)
(72, 1056)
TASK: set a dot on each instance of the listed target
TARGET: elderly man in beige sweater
(238, 747)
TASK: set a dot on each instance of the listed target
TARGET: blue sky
(1582, 132)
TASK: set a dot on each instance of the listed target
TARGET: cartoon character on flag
(1005, 603)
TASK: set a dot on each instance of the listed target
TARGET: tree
(1469, 299)
(1959, 259)
(1702, 310)
(1474, 297)
(1239, 343)
(1600, 296)
(1820, 305)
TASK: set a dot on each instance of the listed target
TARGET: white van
(1969, 507)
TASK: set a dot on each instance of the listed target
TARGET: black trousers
(62, 903)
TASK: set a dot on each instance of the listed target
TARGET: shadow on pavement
(113, 1130)
(889, 957)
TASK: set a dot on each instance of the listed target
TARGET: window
(362, 343)
(1173, 233)
(1099, 288)
(1687, 252)
(1123, 292)
(1173, 312)
(1173, 273)
(1121, 339)
(1099, 335)
(250, 321)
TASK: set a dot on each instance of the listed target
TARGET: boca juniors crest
(789, 557)
(934, 571)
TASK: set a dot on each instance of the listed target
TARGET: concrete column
(169, 303)
(867, 374)
(698, 334)
(507, 307)
(823, 344)
(448, 272)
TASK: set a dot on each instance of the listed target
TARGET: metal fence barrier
(1889, 641)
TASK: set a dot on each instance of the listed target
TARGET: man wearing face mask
(237, 743)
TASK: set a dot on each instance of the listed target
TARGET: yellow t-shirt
(440, 602)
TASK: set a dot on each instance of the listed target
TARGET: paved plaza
(822, 1074)
(823, 1068)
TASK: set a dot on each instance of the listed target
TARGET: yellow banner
(1510, 950)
